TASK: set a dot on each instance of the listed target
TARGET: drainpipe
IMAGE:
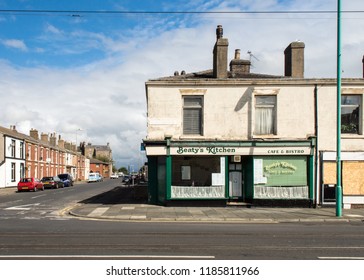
(316, 148)
(168, 168)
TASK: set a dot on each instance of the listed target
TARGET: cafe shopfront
(216, 173)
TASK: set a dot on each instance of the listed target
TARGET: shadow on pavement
(119, 195)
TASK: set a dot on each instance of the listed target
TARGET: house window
(350, 114)
(192, 115)
(12, 145)
(13, 172)
(265, 115)
(21, 150)
(22, 170)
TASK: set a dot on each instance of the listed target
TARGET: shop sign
(206, 150)
(240, 151)
(229, 151)
(280, 167)
(286, 151)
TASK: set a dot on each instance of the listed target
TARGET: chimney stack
(60, 142)
(34, 134)
(239, 66)
(44, 137)
(294, 60)
(53, 139)
(220, 54)
(67, 145)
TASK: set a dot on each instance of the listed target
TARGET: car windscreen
(47, 179)
(63, 176)
(25, 180)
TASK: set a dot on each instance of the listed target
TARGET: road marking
(38, 196)
(99, 211)
(22, 207)
(104, 257)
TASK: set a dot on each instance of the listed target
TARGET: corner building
(230, 136)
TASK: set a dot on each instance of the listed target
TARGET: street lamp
(339, 192)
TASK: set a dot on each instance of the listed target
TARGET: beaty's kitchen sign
(227, 151)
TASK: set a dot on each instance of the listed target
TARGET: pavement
(128, 203)
(124, 204)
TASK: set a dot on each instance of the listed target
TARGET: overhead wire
(76, 12)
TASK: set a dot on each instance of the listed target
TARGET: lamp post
(77, 158)
(339, 192)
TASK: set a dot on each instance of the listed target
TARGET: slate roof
(208, 74)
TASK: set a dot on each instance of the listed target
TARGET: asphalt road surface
(36, 226)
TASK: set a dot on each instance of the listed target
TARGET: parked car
(94, 177)
(30, 184)
(52, 182)
(126, 179)
(114, 176)
(67, 179)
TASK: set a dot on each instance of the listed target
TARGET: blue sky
(61, 72)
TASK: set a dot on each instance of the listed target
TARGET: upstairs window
(12, 147)
(350, 114)
(22, 150)
(265, 115)
(192, 115)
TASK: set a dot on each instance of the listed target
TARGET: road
(36, 226)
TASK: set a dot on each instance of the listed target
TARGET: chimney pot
(219, 32)
(237, 54)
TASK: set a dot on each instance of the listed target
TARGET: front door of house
(235, 184)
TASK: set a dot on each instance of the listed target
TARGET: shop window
(283, 177)
(350, 114)
(198, 177)
(192, 115)
(265, 115)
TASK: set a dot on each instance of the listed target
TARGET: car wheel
(35, 189)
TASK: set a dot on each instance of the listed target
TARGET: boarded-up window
(353, 178)
(329, 173)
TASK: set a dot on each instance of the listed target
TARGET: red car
(30, 184)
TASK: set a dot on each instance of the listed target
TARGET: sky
(78, 68)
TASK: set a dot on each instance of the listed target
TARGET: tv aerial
(251, 55)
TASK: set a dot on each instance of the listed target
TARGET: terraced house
(24, 155)
(230, 136)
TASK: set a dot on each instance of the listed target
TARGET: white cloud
(106, 98)
(15, 44)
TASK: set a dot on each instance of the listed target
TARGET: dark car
(126, 179)
(66, 179)
(52, 182)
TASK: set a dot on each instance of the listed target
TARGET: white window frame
(200, 108)
(360, 130)
(258, 106)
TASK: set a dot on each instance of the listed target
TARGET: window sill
(267, 136)
(188, 137)
(351, 136)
